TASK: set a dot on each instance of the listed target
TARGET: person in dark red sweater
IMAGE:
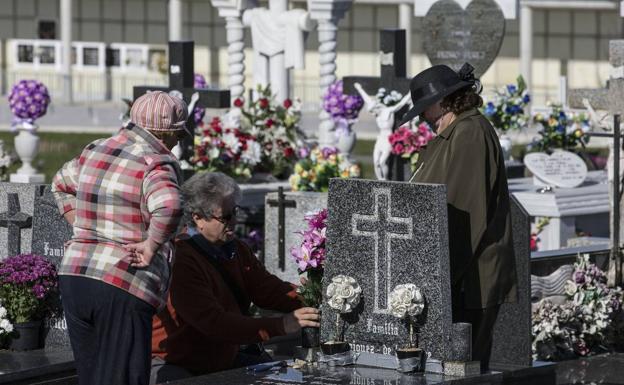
(215, 278)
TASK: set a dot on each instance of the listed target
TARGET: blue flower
(511, 88)
(515, 109)
(490, 109)
(560, 128)
(527, 98)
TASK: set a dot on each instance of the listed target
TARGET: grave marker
(14, 220)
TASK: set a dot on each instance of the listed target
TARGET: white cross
(384, 224)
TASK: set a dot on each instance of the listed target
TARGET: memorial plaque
(384, 234)
(454, 36)
(560, 169)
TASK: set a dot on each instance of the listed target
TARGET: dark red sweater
(202, 326)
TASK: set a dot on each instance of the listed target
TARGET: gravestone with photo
(453, 35)
(50, 232)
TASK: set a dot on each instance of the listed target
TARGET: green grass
(54, 150)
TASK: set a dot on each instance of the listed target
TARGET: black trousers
(110, 332)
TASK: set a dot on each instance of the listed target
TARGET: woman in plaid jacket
(122, 197)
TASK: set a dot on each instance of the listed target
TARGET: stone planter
(346, 142)
(27, 147)
(411, 360)
(27, 336)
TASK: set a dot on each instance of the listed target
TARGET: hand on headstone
(300, 318)
(141, 253)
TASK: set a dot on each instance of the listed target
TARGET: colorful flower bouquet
(317, 166)
(310, 258)
(507, 111)
(344, 109)
(407, 143)
(581, 325)
(28, 100)
(259, 137)
(28, 287)
(560, 130)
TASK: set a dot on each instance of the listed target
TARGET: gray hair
(206, 191)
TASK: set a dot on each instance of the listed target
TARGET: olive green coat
(467, 158)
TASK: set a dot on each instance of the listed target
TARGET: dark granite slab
(512, 332)
(37, 366)
(384, 234)
(356, 375)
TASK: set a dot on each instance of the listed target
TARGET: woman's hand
(304, 317)
(141, 253)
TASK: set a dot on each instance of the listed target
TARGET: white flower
(213, 153)
(231, 141)
(3, 312)
(406, 300)
(343, 293)
(253, 153)
(6, 326)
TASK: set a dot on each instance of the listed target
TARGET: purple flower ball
(29, 99)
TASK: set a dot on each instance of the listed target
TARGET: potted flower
(407, 143)
(28, 291)
(28, 100)
(344, 110)
(6, 327)
(317, 166)
(310, 260)
(343, 295)
(508, 112)
(406, 302)
(560, 130)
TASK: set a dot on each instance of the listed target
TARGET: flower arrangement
(317, 166)
(560, 129)
(28, 287)
(310, 258)
(388, 98)
(507, 111)
(578, 327)
(198, 112)
(6, 327)
(343, 294)
(344, 109)
(259, 137)
(28, 100)
(407, 143)
(407, 302)
(229, 150)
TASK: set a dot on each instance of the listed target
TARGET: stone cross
(182, 79)
(610, 99)
(393, 77)
(281, 204)
(383, 227)
(14, 221)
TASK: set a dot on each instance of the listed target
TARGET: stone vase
(411, 360)
(27, 336)
(27, 147)
(346, 141)
(506, 145)
(310, 337)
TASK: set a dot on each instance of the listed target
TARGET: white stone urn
(27, 147)
(506, 144)
(345, 141)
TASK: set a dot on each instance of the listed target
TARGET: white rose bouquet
(407, 302)
(343, 294)
(6, 328)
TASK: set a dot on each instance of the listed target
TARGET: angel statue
(384, 117)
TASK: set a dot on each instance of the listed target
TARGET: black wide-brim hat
(434, 84)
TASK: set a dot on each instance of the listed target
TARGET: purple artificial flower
(29, 100)
(579, 277)
(327, 151)
(198, 112)
(339, 105)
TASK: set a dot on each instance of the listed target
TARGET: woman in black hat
(466, 156)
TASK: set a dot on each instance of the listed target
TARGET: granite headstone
(26, 194)
(50, 232)
(454, 36)
(511, 344)
(305, 203)
(384, 234)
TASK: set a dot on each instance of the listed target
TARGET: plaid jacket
(124, 189)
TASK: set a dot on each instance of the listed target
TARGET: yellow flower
(578, 133)
(304, 174)
(344, 174)
(298, 168)
(354, 170)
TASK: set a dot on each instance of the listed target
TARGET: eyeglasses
(225, 219)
